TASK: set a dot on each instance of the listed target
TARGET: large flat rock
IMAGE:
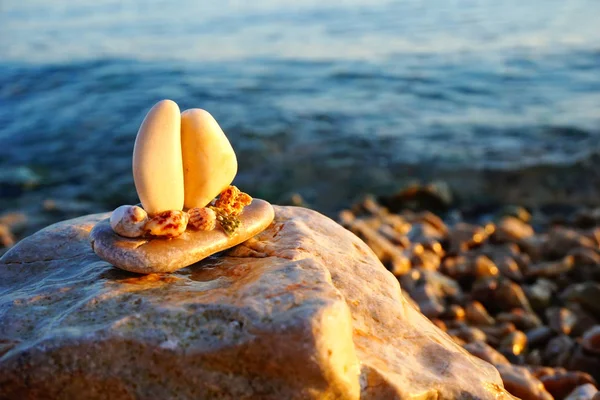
(303, 310)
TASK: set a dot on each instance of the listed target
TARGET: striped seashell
(129, 221)
(202, 218)
(167, 224)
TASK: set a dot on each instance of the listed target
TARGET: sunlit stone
(209, 162)
(157, 162)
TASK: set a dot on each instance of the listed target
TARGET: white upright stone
(209, 162)
(157, 162)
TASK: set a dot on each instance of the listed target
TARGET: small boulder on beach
(304, 310)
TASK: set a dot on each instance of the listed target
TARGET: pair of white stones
(180, 160)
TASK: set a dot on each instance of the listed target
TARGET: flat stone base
(155, 255)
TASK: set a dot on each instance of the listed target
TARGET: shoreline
(545, 189)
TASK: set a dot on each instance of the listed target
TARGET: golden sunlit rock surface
(304, 310)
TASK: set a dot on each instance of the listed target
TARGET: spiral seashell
(168, 224)
(129, 221)
(202, 218)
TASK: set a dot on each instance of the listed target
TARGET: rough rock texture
(154, 255)
(304, 310)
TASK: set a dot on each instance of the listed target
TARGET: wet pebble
(7, 238)
(521, 383)
(591, 340)
(558, 350)
(561, 319)
(476, 313)
(587, 294)
(583, 392)
(464, 236)
(520, 318)
(514, 343)
(585, 256)
(583, 360)
(509, 268)
(468, 334)
(541, 293)
(550, 269)
(454, 312)
(518, 212)
(500, 294)
(585, 320)
(512, 229)
(539, 336)
(562, 240)
(426, 259)
(486, 352)
(561, 382)
(431, 306)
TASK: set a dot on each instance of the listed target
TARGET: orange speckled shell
(167, 224)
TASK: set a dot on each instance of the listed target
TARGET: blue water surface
(313, 95)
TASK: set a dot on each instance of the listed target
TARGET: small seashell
(203, 219)
(232, 201)
(129, 221)
(168, 224)
(242, 200)
(227, 198)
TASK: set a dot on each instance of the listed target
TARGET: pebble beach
(519, 290)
